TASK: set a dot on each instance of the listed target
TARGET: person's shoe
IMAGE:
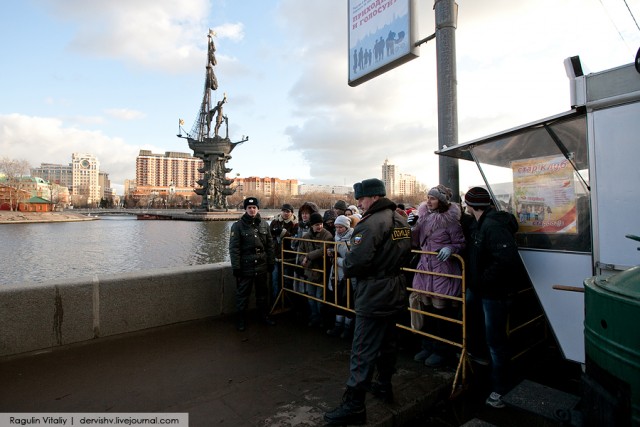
(422, 355)
(350, 412)
(383, 392)
(241, 325)
(495, 400)
(268, 321)
(336, 331)
(434, 361)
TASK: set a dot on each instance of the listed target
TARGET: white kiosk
(575, 190)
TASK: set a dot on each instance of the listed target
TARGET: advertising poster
(545, 196)
(381, 37)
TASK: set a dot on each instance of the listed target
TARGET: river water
(35, 253)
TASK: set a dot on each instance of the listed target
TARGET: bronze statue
(213, 150)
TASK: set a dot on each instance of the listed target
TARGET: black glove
(412, 219)
(237, 272)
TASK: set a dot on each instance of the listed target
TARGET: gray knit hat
(442, 193)
(343, 221)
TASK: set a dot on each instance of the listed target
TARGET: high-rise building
(406, 184)
(106, 192)
(61, 177)
(85, 172)
(170, 168)
(173, 172)
(396, 183)
(389, 178)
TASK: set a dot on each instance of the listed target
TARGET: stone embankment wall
(57, 313)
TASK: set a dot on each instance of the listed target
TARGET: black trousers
(374, 347)
(243, 292)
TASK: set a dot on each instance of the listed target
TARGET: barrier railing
(286, 256)
(463, 365)
(460, 378)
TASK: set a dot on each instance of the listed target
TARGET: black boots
(382, 391)
(351, 411)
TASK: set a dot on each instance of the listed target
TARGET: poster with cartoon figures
(381, 37)
(544, 195)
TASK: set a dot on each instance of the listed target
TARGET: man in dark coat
(252, 260)
(493, 265)
(283, 226)
(380, 245)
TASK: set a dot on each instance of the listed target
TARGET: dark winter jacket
(315, 254)
(251, 246)
(303, 227)
(494, 263)
(380, 246)
(280, 230)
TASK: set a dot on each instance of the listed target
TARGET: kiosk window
(540, 174)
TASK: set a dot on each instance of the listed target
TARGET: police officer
(380, 245)
(252, 260)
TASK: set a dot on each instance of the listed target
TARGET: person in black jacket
(380, 245)
(252, 260)
(493, 266)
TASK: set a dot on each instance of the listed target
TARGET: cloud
(46, 140)
(234, 32)
(158, 34)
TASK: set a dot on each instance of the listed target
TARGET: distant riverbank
(9, 217)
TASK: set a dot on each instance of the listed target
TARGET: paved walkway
(287, 375)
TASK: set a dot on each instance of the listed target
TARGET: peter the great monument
(212, 149)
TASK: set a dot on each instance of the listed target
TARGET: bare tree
(14, 171)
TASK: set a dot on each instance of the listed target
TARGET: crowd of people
(363, 248)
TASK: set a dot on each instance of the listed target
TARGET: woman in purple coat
(438, 230)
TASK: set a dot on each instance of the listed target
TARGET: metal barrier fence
(327, 266)
(525, 294)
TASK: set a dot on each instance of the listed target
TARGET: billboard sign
(545, 195)
(382, 35)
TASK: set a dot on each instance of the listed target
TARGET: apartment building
(55, 173)
(171, 172)
(396, 183)
(266, 186)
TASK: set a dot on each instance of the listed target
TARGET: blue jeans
(315, 307)
(494, 315)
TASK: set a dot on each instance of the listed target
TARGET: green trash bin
(612, 349)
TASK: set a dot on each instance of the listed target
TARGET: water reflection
(34, 253)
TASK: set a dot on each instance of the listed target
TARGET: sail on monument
(209, 145)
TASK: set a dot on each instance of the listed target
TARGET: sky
(111, 78)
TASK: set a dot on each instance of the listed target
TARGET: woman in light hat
(344, 231)
(438, 230)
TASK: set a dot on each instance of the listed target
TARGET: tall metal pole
(446, 17)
